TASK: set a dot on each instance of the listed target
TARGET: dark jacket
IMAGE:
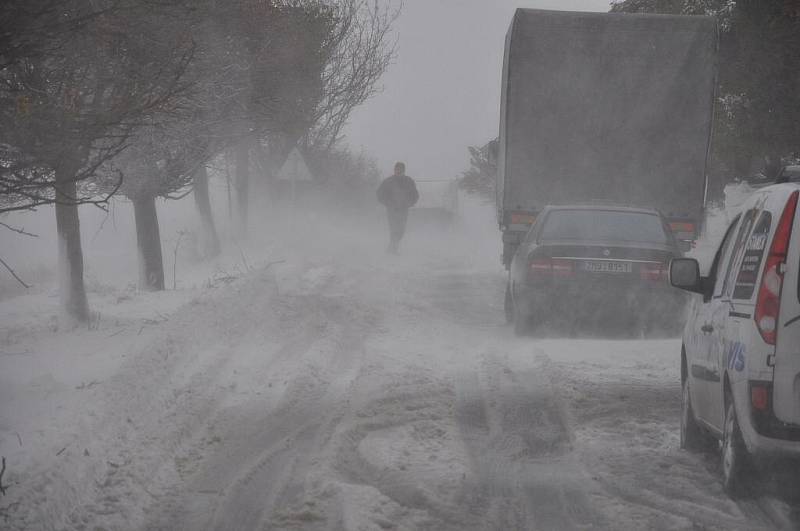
(398, 192)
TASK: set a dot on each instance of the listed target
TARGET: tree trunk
(71, 289)
(202, 200)
(151, 263)
(242, 161)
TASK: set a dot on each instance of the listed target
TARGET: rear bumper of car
(598, 296)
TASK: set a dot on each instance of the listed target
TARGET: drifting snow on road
(346, 389)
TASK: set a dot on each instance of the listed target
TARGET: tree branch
(19, 231)
(13, 274)
(2, 471)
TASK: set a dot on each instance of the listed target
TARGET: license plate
(607, 267)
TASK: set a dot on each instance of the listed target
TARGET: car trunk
(614, 261)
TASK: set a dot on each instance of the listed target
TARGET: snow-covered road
(350, 390)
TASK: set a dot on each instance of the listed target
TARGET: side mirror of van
(684, 273)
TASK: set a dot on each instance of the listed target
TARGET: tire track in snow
(627, 437)
(113, 469)
(397, 445)
(264, 448)
(510, 440)
(520, 443)
(405, 442)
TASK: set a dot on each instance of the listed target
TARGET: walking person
(397, 193)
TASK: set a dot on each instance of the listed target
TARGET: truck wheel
(693, 438)
(735, 461)
(509, 304)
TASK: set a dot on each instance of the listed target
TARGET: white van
(740, 361)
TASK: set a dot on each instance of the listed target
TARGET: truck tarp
(611, 107)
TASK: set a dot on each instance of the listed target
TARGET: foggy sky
(443, 92)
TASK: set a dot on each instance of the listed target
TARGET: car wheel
(693, 437)
(735, 461)
(509, 304)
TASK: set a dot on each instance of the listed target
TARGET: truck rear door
(786, 382)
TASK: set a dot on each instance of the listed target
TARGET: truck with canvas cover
(605, 107)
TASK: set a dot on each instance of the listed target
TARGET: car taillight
(539, 266)
(551, 267)
(563, 268)
(768, 302)
(654, 272)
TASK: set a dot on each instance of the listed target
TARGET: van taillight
(551, 267)
(759, 396)
(768, 302)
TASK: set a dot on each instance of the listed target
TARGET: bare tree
(151, 90)
(210, 239)
(279, 71)
(159, 163)
(279, 49)
(69, 110)
(31, 28)
(275, 74)
(348, 178)
(480, 178)
(360, 57)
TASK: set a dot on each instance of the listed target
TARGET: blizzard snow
(308, 380)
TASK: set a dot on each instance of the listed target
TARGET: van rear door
(786, 380)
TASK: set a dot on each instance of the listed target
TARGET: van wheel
(693, 437)
(735, 461)
(509, 304)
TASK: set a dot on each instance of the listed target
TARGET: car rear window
(604, 225)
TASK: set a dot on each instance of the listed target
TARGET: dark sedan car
(594, 264)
